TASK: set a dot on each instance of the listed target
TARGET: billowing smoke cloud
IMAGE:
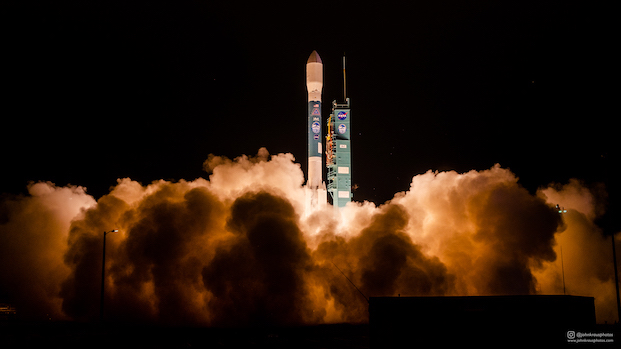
(238, 248)
(33, 240)
(587, 254)
(259, 275)
(489, 231)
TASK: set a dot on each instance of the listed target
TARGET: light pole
(103, 273)
(562, 210)
(614, 260)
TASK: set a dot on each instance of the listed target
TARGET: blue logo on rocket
(316, 127)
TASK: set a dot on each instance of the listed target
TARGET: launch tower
(338, 151)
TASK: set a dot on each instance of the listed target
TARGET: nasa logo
(342, 128)
(316, 127)
(342, 115)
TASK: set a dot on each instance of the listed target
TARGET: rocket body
(314, 86)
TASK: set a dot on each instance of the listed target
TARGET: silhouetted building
(494, 321)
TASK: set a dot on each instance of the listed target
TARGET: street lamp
(103, 272)
(562, 210)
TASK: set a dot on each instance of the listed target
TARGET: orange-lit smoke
(237, 249)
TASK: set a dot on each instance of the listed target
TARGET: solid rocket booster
(314, 85)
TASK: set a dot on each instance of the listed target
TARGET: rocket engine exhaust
(236, 249)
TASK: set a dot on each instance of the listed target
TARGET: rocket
(314, 86)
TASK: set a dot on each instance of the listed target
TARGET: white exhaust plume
(238, 248)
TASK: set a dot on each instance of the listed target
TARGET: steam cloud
(238, 249)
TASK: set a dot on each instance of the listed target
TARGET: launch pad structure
(513, 321)
(338, 154)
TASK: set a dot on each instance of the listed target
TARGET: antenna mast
(344, 80)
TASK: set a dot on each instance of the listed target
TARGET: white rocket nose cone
(314, 58)
(314, 77)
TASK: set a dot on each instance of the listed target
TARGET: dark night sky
(99, 90)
